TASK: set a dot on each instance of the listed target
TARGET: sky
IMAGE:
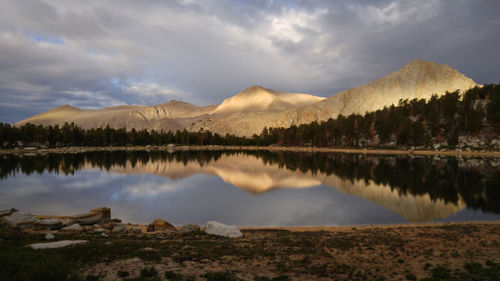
(94, 54)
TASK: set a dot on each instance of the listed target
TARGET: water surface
(255, 188)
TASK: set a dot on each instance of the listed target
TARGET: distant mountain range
(251, 110)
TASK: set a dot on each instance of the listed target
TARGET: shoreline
(376, 151)
(95, 247)
(372, 252)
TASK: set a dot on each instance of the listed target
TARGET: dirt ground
(458, 251)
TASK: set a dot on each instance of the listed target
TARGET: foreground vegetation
(427, 252)
(438, 121)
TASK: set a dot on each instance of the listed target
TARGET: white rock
(49, 236)
(20, 219)
(73, 227)
(49, 223)
(58, 244)
(217, 228)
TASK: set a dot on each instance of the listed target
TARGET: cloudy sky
(94, 54)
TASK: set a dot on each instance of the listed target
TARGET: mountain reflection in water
(419, 189)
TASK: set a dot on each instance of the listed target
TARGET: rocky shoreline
(485, 152)
(93, 246)
(99, 221)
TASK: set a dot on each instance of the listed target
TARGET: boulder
(135, 230)
(49, 223)
(189, 228)
(9, 212)
(160, 225)
(120, 228)
(99, 215)
(220, 229)
(58, 244)
(105, 212)
(22, 220)
(49, 236)
(74, 227)
(171, 232)
(150, 228)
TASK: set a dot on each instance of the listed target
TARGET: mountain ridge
(256, 107)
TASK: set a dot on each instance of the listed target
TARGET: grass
(220, 276)
(173, 276)
(472, 271)
(149, 272)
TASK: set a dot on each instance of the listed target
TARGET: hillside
(417, 79)
(173, 115)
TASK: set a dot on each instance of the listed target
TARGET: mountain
(251, 110)
(257, 98)
(417, 79)
(173, 115)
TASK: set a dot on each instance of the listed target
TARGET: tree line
(416, 122)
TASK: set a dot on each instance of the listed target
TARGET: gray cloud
(94, 54)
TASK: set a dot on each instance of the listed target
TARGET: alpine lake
(255, 188)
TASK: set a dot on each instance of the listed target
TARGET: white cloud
(100, 53)
(397, 12)
(291, 24)
(153, 90)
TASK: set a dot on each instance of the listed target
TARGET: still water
(254, 188)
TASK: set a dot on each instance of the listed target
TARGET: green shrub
(148, 272)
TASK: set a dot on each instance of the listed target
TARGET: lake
(255, 188)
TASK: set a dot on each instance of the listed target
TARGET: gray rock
(189, 228)
(22, 220)
(9, 212)
(171, 232)
(73, 227)
(58, 244)
(135, 230)
(49, 223)
(120, 228)
(99, 215)
(220, 229)
(49, 236)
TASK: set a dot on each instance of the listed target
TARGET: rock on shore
(58, 244)
(220, 229)
(21, 220)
